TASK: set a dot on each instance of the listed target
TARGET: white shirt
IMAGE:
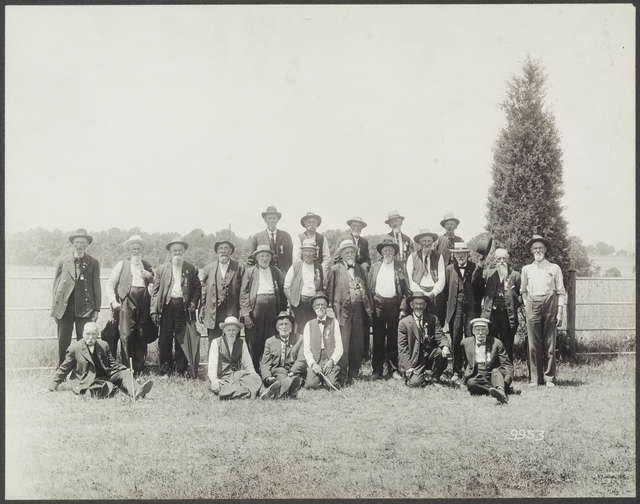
(481, 352)
(265, 281)
(176, 287)
(306, 343)
(308, 277)
(326, 253)
(223, 268)
(351, 271)
(543, 278)
(385, 281)
(246, 364)
(427, 279)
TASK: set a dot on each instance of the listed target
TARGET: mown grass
(385, 441)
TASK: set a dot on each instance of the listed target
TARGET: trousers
(484, 380)
(303, 313)
(541, 314)
(265, 311)
(500, 320)
(132, 320)
(433, 361)
(352, 333)
(173, 321)
(385, 329)
(65, 327)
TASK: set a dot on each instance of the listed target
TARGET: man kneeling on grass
(487, 367)
(96, 368)
(231, 371)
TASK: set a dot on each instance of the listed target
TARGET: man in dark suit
(95, 368)
(405, 243)
(278, 241)
(76, 292)
(487, 367)
(463, 286)
(303, 281)
(422, 345)
(500, 303)
(362, 254)
(221, 281)
(311, 221)
(350, 298)
(261, 299)
(176, 295)
(443, 246)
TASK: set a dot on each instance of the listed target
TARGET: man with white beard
(129, 296)
(501, 300)
(426, 267)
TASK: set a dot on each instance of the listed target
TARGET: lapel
(84, 350)
(71, 267)
(472, 360)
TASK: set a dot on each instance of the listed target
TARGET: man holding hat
(278, 241)
(311, 222)
(280, 354)
(128, 293)
(422, 345)
(388, 282)
(303, 281)
(261, 299)
(76, 292)
(350, 298)
(221, 281)
(487, 367)
(394, 220)
(544, 299)
(176, 295)
(426, 267)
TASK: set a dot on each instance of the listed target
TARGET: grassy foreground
(385, 441)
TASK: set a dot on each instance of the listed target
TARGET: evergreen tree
(527, 173)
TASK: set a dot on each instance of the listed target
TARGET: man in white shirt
(303, 281)
(544, 298)
(426, 269)
(311, 222)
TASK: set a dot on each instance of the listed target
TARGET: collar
(275, 231)
(322, 321)
(283, 340)
(542, 264)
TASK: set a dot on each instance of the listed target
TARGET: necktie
(273, 241)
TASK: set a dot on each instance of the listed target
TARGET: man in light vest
(426, 269)
(311, 222)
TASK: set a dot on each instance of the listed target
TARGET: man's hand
(316, 368)
(269, 380)
(248, 323)
(446, 352)
(201, 315)
(559, 318)
(154, 319)
(116, 307)
(482, 261)
(402, 314)
(432, 295)
(328, 366)
(192, 307)
(94, 315)
(44, 391)
(215, 386)
(146, 275)
(409, 373)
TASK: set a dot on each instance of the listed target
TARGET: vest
(296, 283)
(228, 364)
(126, 278)
(315, 335)
(319, 243)
(460, 294)
(418, 266)
(222, 282)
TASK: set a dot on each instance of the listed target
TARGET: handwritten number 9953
(516, 435)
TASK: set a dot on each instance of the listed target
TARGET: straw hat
(230, 321)
(81, 233)
(448, 217)
(179, 240)
(132, 240)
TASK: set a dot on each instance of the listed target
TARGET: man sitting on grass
(488, 369)
(231, 371)
(96, 368)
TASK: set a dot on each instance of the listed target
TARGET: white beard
(224, 259)
(502, 271)
(177, 260)
(136, 260)
(388, 260)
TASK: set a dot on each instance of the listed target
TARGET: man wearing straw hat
(394, 220)
(426, 269)
(76, 292)
(261, 299)
(350, 298)
(444, 244)
(311, 221)
(362, 255)
(128, 294)
(388, 282)
(544, 299)
(303, 281)
(279, 241)
(221, 281)
(176, 295)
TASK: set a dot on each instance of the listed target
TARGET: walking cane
(331, 384)
(133, 386)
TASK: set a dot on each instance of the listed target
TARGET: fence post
(571, 311)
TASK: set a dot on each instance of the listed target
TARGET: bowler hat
(425, 232)
(308, 216)
(217, 244)
(283, 315)
(387, 242)
(271, 210)
(230, 321)
(448, 217)
(483, 245)
(393, 214)
(537, 238)
(418, 295)
(179, 240)
(262, 248)
(356, 219)
(132, 240)
(81, 233)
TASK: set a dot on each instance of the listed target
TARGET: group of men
(306, 320)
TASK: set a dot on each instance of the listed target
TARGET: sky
(174, 118)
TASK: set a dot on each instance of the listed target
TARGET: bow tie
(322, 321)
(481, 344)
(350, 266)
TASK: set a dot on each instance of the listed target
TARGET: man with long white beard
(176, 294)
(303, 281)
(426, 267)
(544, 298)
(500, 303)
(129, 296)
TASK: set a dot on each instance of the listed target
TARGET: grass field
(624, 263)
(385, 441)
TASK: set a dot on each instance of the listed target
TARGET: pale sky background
(172, 118)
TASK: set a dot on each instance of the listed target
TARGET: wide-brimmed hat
(480, 321)
(179, 240)
(537, 238)
(425, 232)
(345, 244)
(308, 216)
(387, 242)
(318, 295)
(483, 245)
(283, 315)
(81, 233)
(308, 243)
(356, 219)
(448, 217)
(218, 243)
(460, 247)
(132, 240)
(262, 248)
(393, 214)
(418, 295)
(271, 210)
(230, 321)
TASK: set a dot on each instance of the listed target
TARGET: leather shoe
(144, 389)
(285, 385)
(550, 384)
(375, 376)
(396, 376)
(272, 392)
(499, 394)
(296, 382)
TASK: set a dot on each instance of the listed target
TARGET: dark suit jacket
(88, 284)
(271, 357)
(498, 358)
(191, 286)
(407, 244)
(249, 289)
(473, 287)
(441, 246)
(400, 276)
(79, 358)
(362, 255)
(338, 291)
(284, 246)
(210, 291)
(511, 295)
(409, 340)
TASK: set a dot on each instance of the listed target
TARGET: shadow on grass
(570, 383)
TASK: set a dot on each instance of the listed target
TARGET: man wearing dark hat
(544, 299)
(350, 298)
(261, 299)
(128, 293)
(278, 240)
(221, 281)
(176, 295)
(501, 300)
(388, 283)
(311, 222)
(487, 367)
(422, 345)
(76, 292)
(303, 281)
(280, 354)
(394, 220)
(426, 268)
